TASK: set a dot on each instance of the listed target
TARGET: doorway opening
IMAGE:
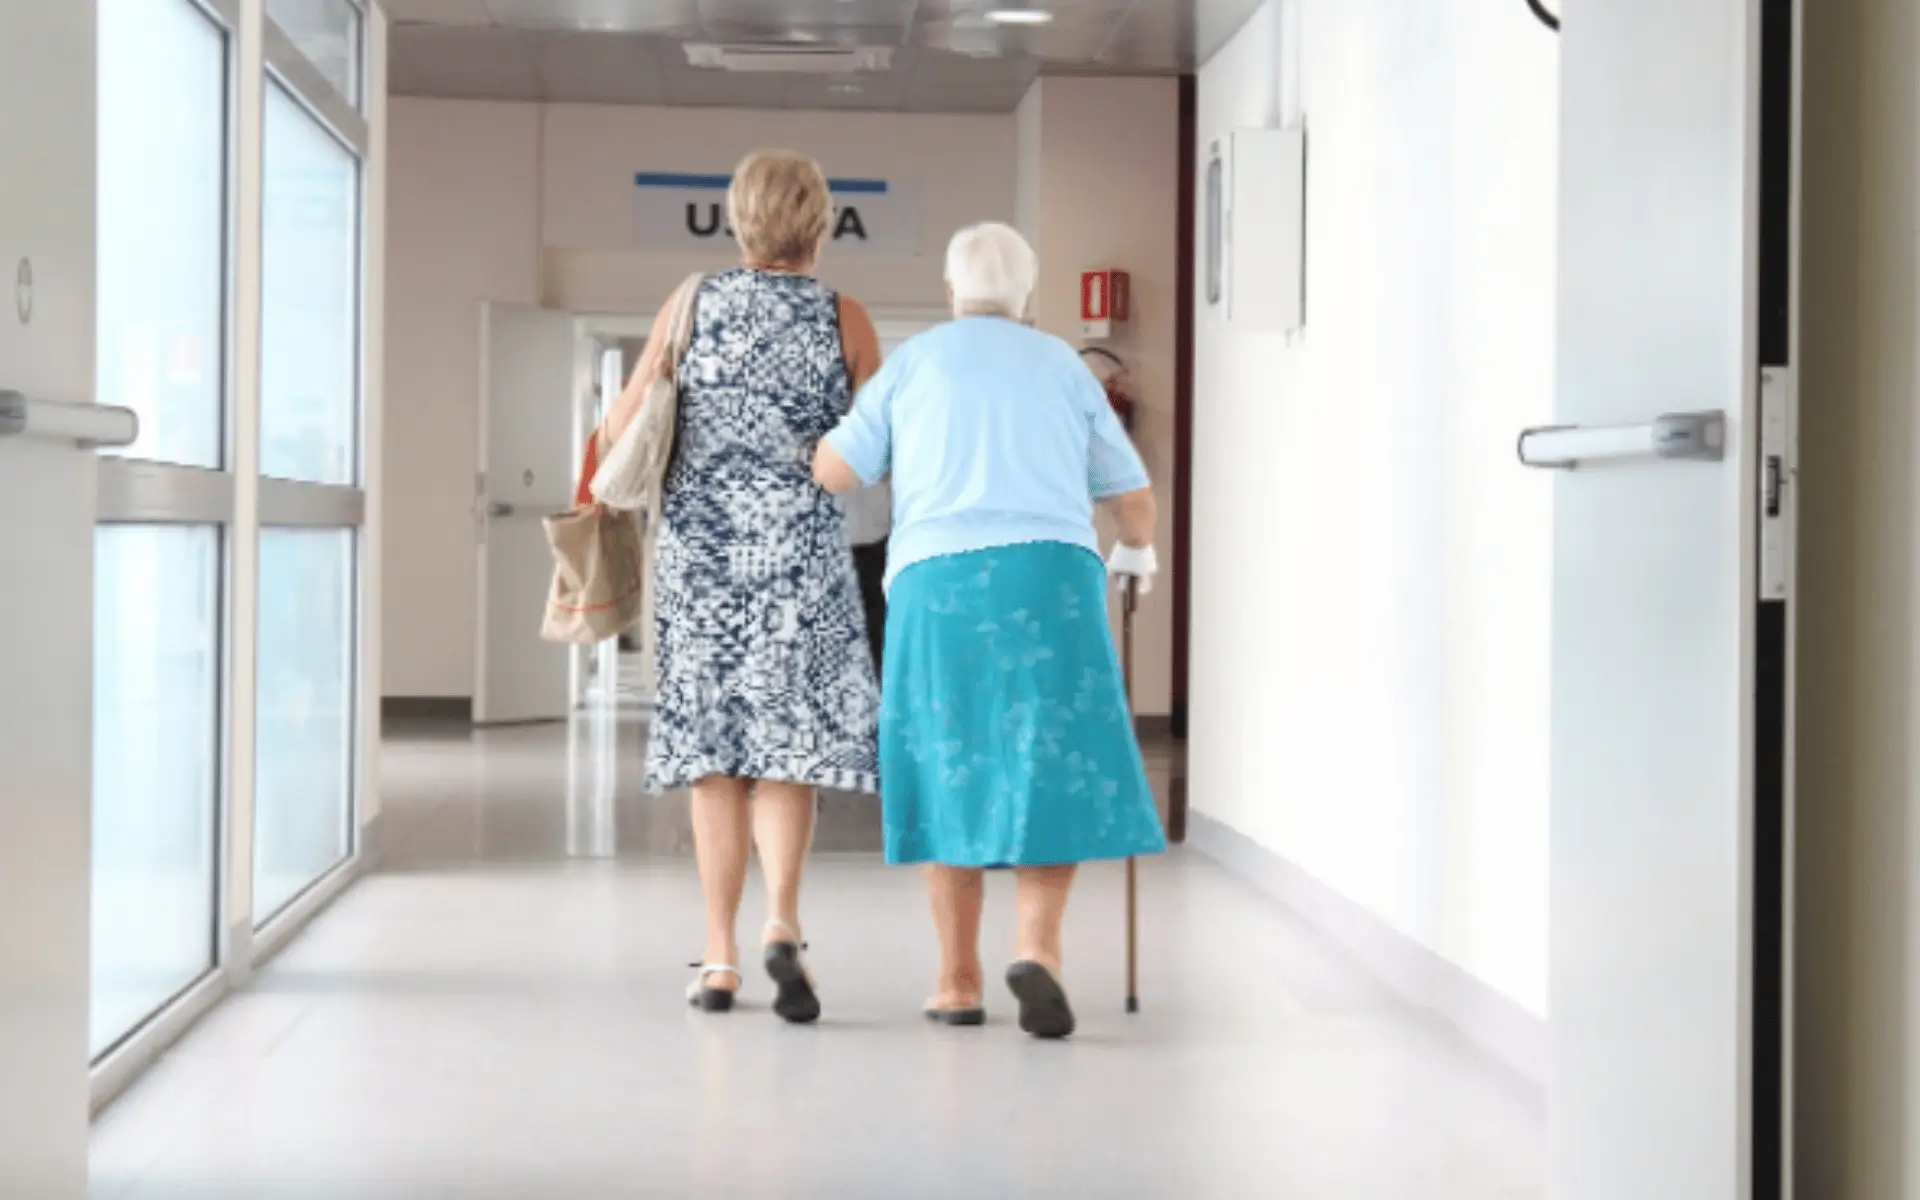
(616, 674)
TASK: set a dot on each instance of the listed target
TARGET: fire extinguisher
(1111, 371)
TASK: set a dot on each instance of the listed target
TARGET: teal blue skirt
(1005, 736)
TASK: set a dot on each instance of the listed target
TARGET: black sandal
(794, 1000)
(1044, 1011)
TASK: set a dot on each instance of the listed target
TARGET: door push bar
(1688, 437)
(500, 509)
(85, 425)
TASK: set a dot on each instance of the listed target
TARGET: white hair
(990, 267)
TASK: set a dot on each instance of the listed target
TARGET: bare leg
(783, 827)
(1043, 904)
(721, 845)
(783, 830)
(956, 894)
(1035, 979)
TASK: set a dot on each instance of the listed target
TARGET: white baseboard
(1489, 1020)
(373, 842)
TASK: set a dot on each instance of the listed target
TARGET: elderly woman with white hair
(1005, 735)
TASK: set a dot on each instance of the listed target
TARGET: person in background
(1005, 734)
(766, 687)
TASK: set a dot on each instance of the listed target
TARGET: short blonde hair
(990, 267)
(780, 207)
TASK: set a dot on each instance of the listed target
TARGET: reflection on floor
(496, 1014)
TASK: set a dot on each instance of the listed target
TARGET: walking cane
(1130, 600)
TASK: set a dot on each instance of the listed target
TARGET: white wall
(1371, 567)
(462, 227)
(532, 203)
(1027, 142)
(1091, 200)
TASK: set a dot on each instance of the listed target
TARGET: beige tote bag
(599, 568)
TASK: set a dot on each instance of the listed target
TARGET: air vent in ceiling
(790, 57)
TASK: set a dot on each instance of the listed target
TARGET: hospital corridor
(919, 599)
(495, 1012)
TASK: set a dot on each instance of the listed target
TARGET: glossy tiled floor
(497, 1014)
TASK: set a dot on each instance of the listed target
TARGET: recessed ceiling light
(1020, 16)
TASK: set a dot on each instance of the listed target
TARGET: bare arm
(860, 341)
(1135, 513)
(626, 406)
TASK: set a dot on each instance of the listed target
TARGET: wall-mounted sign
(1105, 297)
(676, 211)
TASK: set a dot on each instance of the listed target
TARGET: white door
(1671, 692)
(529, 391)
(47, 155)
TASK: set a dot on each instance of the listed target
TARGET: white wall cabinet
(1254, 269)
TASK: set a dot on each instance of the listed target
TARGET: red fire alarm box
(1105, 297)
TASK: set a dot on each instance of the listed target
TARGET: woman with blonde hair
(765, 688)
(1005, 734)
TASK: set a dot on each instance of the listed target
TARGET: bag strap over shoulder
(678, 333)
(840, 331)
(589, 467)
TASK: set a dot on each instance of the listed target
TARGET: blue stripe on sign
(718, 183)
(675, 179)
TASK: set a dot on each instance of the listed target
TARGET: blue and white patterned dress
(763, 665)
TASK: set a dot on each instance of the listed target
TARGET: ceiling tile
(885, 20)
(441, 12)
(610, 16)
(941, 69)
(691, 86)
(875, 92)
(978, 100)
(1062, 10)
(948, 57)
(602, 68)
(464, 62)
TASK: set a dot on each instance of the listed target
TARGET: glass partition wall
(232, 652)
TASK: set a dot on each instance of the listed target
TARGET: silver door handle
(1689, 437)
(500, 508)
(85, 425)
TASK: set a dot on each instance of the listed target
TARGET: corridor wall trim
(1183, 414)
(1495, 1025)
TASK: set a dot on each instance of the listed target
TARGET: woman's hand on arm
(831, 471)
(859, 451)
